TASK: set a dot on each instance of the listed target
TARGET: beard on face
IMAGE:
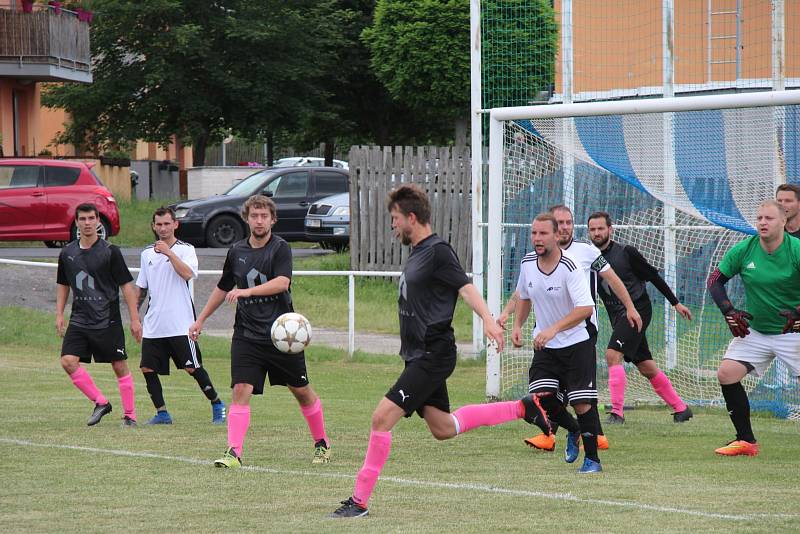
(259, 234)
(601, 242)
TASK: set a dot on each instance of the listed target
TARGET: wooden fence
(44, 37)
(443, 172)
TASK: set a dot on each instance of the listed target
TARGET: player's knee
(613, 357)
(189, 370)
(70, 365)
(442, 434)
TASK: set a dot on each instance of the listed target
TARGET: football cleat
(229, 460)
(545, 442)
(590, 466)
(322, 453)
(573, 449)
(99, 411)
(350, 508)
(127, 422)
(534, 413)
(615, 419)
(681, 417)
(161, 417)
(218, 413)
(738, 448)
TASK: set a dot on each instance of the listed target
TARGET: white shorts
(759, 350)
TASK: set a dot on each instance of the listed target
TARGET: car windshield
(250, 185)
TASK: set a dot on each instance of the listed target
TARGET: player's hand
(516, 337)
(738, 322)
(792, 320)
(60, 325)
(685, 312)
(634, 319)
(195, 329)
(136, 330)
(234, 294)
(495, 335)
(501, 321)
(162, 248)
(543, 338)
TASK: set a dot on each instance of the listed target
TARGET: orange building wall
(617, 44)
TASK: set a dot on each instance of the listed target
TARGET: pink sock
(316, 421)
(616, 387)
(83, 381)
(380, 443)
(238, 421)
(663, 387)
(125, 385)
(475, 415)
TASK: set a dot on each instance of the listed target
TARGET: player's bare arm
(141, 296)
(521, 312)
(181, 268)
(132, 300)
(491, 330)
(634, 319)
(508, 310)
(573, 318)
(62, 292)
(276, 286)
(215, 300)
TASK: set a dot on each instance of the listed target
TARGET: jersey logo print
(254, 275)
(553, 288)
(403, 395)
(403, 289)
(81, 277)
(242, 260)
(751, 265)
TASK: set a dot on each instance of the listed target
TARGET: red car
(38, 198)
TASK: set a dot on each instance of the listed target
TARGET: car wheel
(224, 231)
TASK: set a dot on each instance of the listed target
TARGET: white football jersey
(555, 295)
(170, 310)
(592, 262)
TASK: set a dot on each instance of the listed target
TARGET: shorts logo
(618, 342)
(81, 277)
(751, 265)
(121, 351)
(403, 395)
(303, 377)
(591, 384)
(188, 362)
(254, 276)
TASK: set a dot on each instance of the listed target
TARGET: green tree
(420, 51)
(198, 70)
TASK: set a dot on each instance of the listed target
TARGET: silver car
(328, 222)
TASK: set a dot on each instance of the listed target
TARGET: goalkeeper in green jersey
(769, 266)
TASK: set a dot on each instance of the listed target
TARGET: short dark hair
(86, 207)
(794, 188)
(262, 202)
(600, 215)
(160, 212)
(558, 207)
(547, 216)
(409, 198)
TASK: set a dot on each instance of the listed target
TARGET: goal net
(682, 186)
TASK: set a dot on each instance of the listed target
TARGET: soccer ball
(291, 333)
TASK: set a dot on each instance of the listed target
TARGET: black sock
(154, 389)
(558, 415)
(204, 381)
(739, 410)
(590, 425)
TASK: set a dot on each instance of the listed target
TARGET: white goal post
(541, 129)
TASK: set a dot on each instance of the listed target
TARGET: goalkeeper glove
(738, 322)
(792, 320)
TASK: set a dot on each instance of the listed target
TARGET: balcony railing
(43, 45)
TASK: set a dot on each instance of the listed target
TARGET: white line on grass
(485, 488)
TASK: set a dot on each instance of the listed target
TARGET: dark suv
(38, 198)
(216, 221)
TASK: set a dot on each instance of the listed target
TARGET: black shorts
(572, 368)
(157, 351)
(104, 345)
(423, 382)
(627, 340)
(252, 360)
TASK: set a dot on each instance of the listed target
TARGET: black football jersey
(429, 288)
(95, 276)
(247, 267)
